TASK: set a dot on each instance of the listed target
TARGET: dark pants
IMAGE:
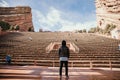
(9, 62)
(66, 67)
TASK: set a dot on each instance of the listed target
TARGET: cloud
(53, 16)
(56, 20)
(47, 21)
(66, 15)
(3, 3)
(72, 26)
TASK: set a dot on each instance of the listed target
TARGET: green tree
(97, 29)
(30, 29)
(106, 30)
(17, 27)
(12, 28)
(101, 31)
(92, 30)
(109, 28)
(4, 25)
(84, 31)
(80, 31)
(112, 27)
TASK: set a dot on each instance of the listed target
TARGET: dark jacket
(64, 51)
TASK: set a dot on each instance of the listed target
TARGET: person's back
(64, 56)
(63, 52)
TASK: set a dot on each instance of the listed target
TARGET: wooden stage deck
(52, 73)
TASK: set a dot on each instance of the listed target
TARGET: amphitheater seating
(94, 50)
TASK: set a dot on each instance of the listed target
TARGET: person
(64, 56)
(8, 59)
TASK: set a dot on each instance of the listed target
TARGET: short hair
(63, 43)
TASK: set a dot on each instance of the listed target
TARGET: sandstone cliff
(17, 16)
(108, 12)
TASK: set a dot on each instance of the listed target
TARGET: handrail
(91, 63)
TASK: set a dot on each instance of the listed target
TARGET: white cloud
(49, 20)
(71, 26)
(3, 3)
(54, 18)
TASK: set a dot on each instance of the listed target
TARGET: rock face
(17, 16)
(108, 12)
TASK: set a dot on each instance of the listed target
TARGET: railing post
(72, 64)
(35, 62)
(91, 65)
(110, 63)
(53, 63)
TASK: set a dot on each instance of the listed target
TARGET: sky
(58, 15)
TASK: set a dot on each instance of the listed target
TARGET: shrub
(80, 31)
(109, 28)
(30, 29)
(17, 27)
(4, 25)
(92, 30)
(84, 31)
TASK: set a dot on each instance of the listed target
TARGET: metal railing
(86, 63)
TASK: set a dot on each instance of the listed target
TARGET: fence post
(110, 63)
(118, 46)
(53, 63)
(91, 65)
(72, 64)
(35, 62)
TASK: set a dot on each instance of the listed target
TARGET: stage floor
(52, 73)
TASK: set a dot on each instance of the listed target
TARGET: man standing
(64, 56)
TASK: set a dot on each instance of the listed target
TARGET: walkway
(51, 73)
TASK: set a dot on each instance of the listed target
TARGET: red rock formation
(20, 16)
(108, 12)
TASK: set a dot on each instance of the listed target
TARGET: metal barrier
(91, 64)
